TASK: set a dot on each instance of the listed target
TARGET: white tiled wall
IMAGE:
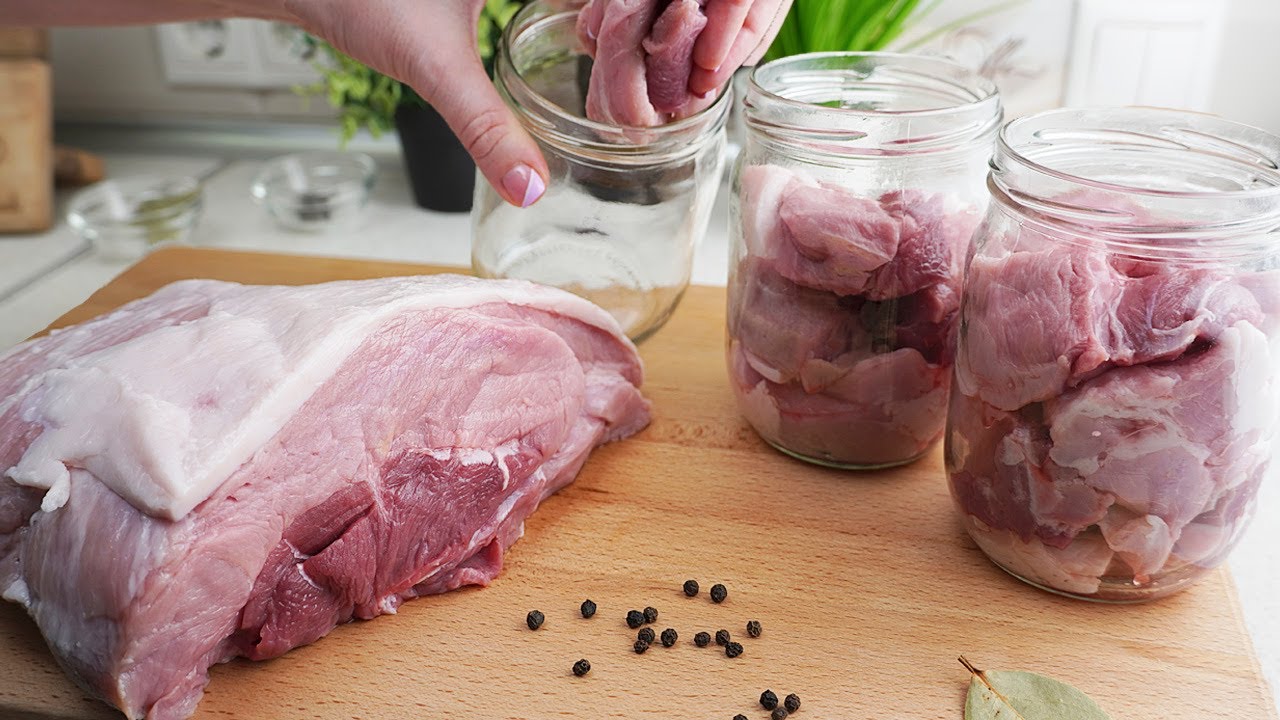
(116, 74)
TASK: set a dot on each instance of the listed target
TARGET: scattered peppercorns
(669, 637)
(535, 619)
(640, 646)
(733, 649)
(722, 637)
(651, 615)
(635, 619)
(646, 634)
(582, 667)
(588, 608)
(768, 700)
(739, 716)
(792, 703)
(753, 628)
(702, 639)
(691, 588)
(719, 593)
(779, 713)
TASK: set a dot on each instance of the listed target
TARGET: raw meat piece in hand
(669, 58)
(310, 455)
(643, 58)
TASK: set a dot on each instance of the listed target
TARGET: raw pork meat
(1112, 417)
(842, 316)
(220, 470)
(643, 53)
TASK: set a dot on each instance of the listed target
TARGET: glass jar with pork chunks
(1115, 401)
(624, 206)
(854, 199)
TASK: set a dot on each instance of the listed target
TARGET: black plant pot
(441, 173)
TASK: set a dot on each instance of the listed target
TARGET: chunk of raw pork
(842, 315)
(1112, 418)
(220, 470)
(643, 56)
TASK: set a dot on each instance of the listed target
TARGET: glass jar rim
(1155, 183)
(1214, 137)
(550, 115)
(872, 103)
(984, 92)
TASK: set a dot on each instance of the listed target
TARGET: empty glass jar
(853, 202)
(1115, 400)
(624, 207)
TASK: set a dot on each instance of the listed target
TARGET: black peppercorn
(640, 646)
(768, 700)
(792, 703)
(779, 713)
(669, 637)
(646, 634)
(722, 637)
(588, 608)
(691, 587)
(733, 649)
(651, 614)
(582, 667)
(753, 628)
(739, 716)
(535, 619)
(719, 593)
(702, 639)
(635, 619)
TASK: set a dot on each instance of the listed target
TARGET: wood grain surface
(866, 586)
(26, 145)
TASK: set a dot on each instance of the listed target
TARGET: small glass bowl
(126, 218)
(315, 191)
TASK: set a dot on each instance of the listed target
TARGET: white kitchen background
(1209, 55)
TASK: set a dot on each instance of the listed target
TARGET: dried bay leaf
(1016, 695)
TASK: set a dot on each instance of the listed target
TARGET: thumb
(504, 152)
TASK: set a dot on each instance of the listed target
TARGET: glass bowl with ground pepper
(316, 191)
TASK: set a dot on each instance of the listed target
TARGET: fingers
(432, 47)
(763, 20)
(589, 20)
(724, 21)
(775, 11)
(504, 152)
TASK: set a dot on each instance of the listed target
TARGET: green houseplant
(440, 171)
(860, 25)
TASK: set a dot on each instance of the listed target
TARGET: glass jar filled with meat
(1114, 408)
(635, 161)
(854, 199)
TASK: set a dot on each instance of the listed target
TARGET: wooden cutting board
(866, 585)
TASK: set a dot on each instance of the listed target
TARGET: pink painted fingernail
(522, 182)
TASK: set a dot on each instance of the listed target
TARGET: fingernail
(523, 183)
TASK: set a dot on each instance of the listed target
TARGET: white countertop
(32, 296)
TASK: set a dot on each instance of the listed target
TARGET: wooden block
(26, 146)
(24, 43)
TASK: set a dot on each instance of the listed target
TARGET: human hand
(431, 46)
(738, 33)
